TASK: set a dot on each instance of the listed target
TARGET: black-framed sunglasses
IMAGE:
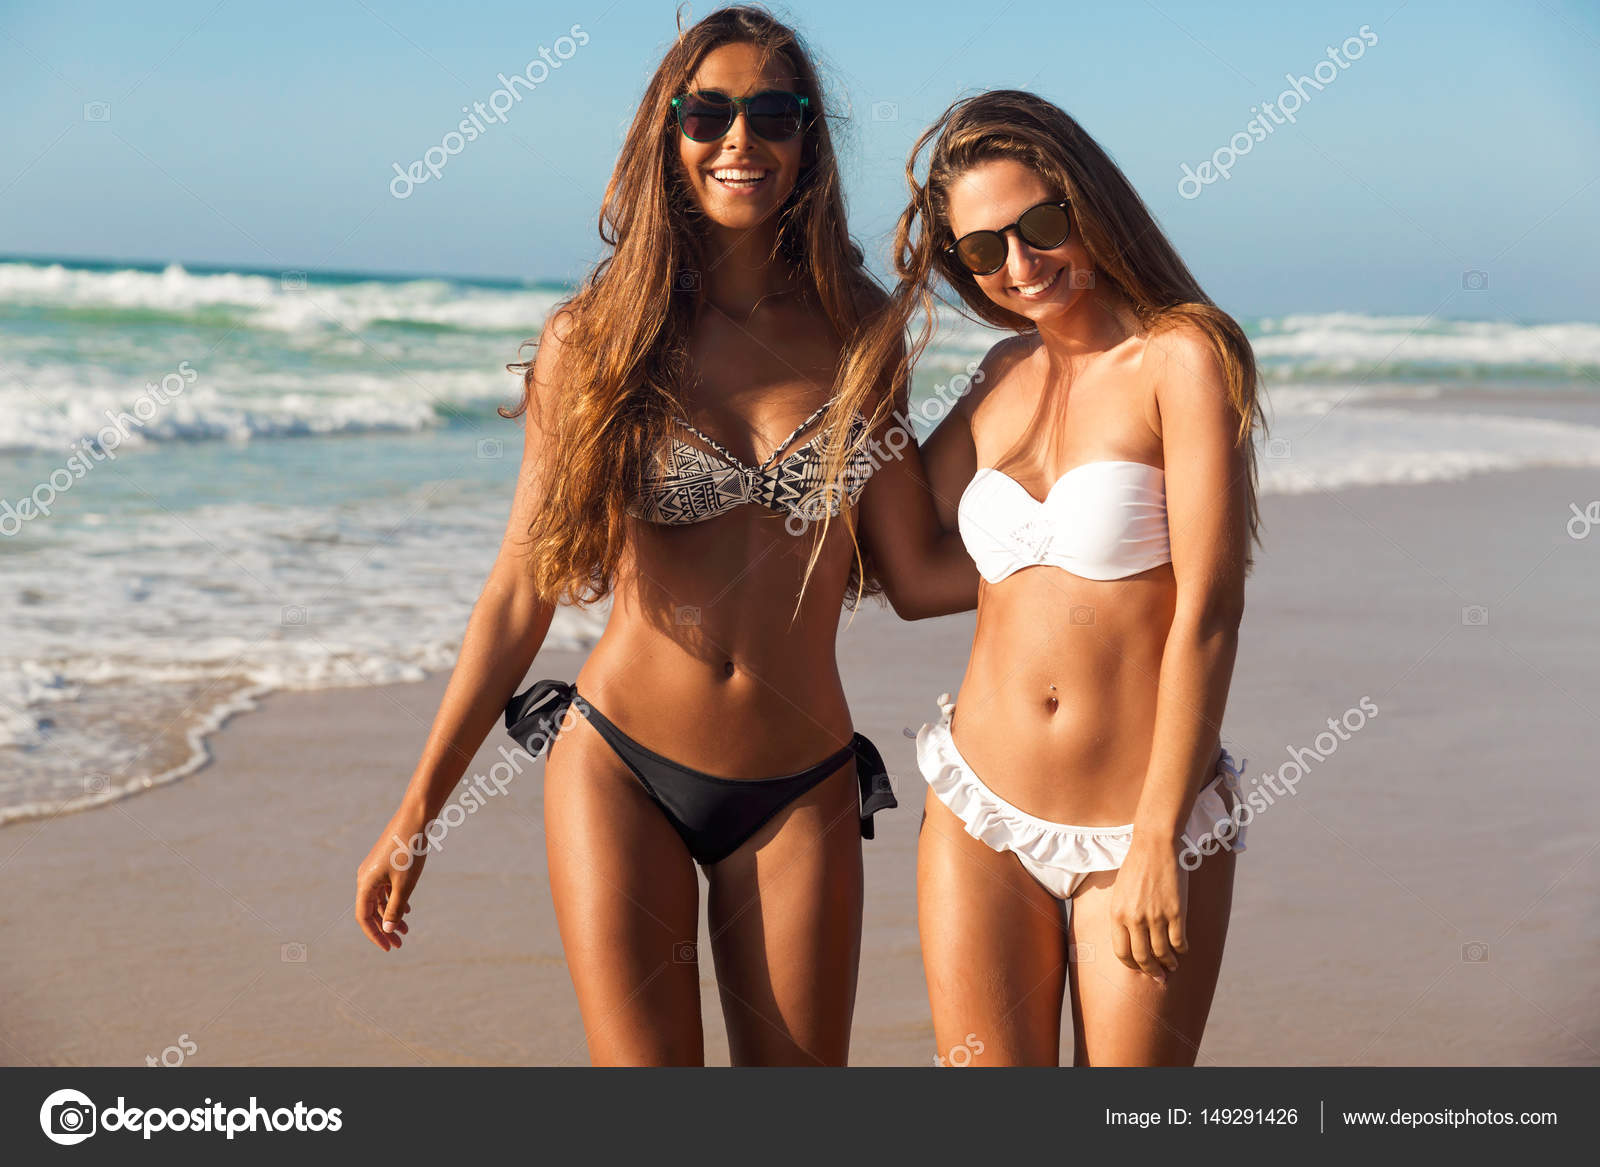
(772, 114)
(1044, 226)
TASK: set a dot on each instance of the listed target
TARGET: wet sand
(1426, 897)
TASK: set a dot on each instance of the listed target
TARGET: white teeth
(738, 175)
(1035, 289)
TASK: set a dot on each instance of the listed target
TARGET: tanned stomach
(700, 661)
(1056, 712)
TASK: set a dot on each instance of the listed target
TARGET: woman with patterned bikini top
(689, 457)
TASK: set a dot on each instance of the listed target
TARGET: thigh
(627, 904)
(1122, 1017)
(785, 924)
(994, 948)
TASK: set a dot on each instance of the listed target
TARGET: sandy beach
(1426, 897)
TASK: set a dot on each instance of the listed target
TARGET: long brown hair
(1127, 246)
(624, 360)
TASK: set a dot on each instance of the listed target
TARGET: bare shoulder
(1006, 355)
(557, 331)
(543, 384)
(1182, 359)
(1188, 388)
(1006, 365)
(551, 357)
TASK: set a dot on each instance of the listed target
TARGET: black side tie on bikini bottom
(714, 816)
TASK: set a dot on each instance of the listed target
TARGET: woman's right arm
(504, 633)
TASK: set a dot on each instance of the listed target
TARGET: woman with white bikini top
(1110, 509)
(1101, 520)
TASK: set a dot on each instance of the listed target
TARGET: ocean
(263, 480)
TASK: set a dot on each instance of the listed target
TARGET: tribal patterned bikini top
(690, 485)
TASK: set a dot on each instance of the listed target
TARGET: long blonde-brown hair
(1127, 246)
(625, 359)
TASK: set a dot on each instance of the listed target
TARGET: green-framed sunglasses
(772, 114)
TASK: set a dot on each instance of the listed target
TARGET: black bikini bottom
(712, 815)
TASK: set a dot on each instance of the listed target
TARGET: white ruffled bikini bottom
(1058, 855)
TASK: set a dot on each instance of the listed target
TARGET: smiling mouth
(740, 178)
(1034, 291)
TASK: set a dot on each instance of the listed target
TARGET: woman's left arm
(1207, 506)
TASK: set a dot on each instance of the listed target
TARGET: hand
(386, 876)
(1148, 909)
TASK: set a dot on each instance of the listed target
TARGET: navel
(1051, 702)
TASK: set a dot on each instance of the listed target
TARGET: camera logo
(67, 1117)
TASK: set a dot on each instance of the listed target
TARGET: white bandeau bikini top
(1101, 520)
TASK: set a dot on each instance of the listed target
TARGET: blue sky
(1466, 138)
